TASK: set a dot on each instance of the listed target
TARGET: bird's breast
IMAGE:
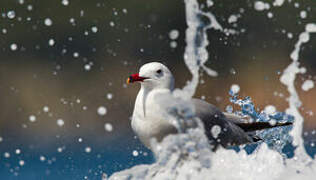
(151, 124)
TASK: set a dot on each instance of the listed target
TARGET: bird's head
(153, 75)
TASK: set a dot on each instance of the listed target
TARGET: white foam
(278, 2)
(307, 85)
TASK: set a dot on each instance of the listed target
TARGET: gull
(148, 121)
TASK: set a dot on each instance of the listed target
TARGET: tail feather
(247, 127)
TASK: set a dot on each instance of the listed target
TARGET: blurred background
(65, 108)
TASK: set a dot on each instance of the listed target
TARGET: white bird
(148, 121)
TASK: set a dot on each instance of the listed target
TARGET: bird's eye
(158, 71)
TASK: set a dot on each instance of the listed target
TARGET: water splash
(275, 138)
(288, 78)
(249, 109)
(196, 55)
(188, 155)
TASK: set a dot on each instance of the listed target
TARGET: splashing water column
(196, 55)
(288, 78)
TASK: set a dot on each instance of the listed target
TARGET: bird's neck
(141, 100)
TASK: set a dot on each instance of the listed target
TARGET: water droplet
(42, 158)
(87, 67)
(11, 14)
(109, 96)
(60, 122)
(45, 108)
(14, 47)
(51, 42)
(102, 110)
(17, 151)
(235, 88)
(65, 2)
(174, 34)
(94, 29)
(76, 54)
(87, 149)
(216, 130)
(21, 162)
(108, 127)
(135, 153)
(32, 118)
(48, 22)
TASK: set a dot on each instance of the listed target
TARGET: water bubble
(94, 29)
(270, 109)
(87, 67)
(76, 54)
(45, 108)
(81, 13)
(1, 139)
(135, 153)
(260, 6)
(290, 35)
(21, 162)
(6, 155)
(87, 149)
(124, 11)
(72, 21)
(48, 22)
(13, 47)
(65, 2)
(229, 109)
(11, 14)
(232, 71)
(112, 24)
(174, 34)
(60, 122)
(235, 88)
(32, 118)
(272, 122)
(108, 127)
(79, 139)
(307, 85)
(270, 15)
(102, 110)
(21, 1)
(173, 44)
(4, 31)
(209, 3)
(232, 19)
(29, 7)
(59, 149)
(278, 2)
(51, 42)
(109, 96)
(17, 151)
(216, 130)
(303, 14)
(42, 158)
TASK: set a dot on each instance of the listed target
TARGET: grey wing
(230, 133)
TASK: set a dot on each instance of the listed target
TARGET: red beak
(135, 78)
